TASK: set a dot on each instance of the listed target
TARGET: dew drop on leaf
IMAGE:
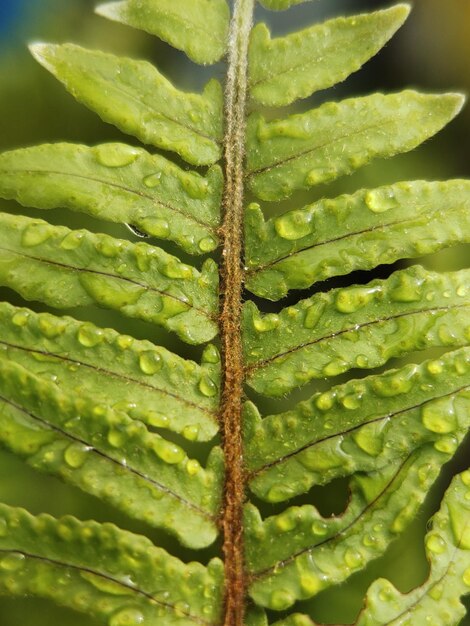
(207, 244)
(294, 225)
(127, 617)
(12, 562)
(207, 386)
(35, 234)
(435, 543)
(153, 180)
(150, 362)
(75, 455)
(381, 200)
(116, 154)
(90, 336)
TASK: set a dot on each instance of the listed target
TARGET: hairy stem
(230, 312)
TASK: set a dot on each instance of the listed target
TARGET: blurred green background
(431, 52)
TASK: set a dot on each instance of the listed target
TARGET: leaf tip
(110, 10)
(41, 52)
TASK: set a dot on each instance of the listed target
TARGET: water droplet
(76, 454)
(211, 354)
(465, 477)
(362, 361)
(293, 225)
(35, 234)
(352, 401)
(168, 452)
(335, 368)
(21, 318)
(266, 323)
(207, 244)
(279, 493)
(435, 367)
(389, 385)
(325, 401)
(196, 187)
(353, 299)
(191, 432)
(370, 439)
(447, 335)
(319, 175)
(319, 528)
(116, 154)
(286, 521)
(281, 599)
(462, 291)
(175, 269)
(73, 240)
(193, 467)
(157, 227)
(115, 294)
(124, 342)
(207, 386)
(353, 558)
(127, 617)
(116, 438)
(313, 314)
(408, 289)
(435, 543)
(109, 247)
(310, 583)
(153, 180)
(381, 200)
(448, 444)
(90, 336)
(150, 362)
(12, 562)
(439, 416)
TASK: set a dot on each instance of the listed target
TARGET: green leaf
(360, 426)
(145, 381)
(437, 601)
(280, 5)
(355, 327)
(140, 101)
(118, 183)
(198, 27)
(447, 548)
(359, 231)
(66, 268)
(119, 578)
(106, 453)
(308, 553)
(316, 147)
(295, 66)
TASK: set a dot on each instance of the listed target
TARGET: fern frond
(295, 66)
(121, 418)
(198, 27)
(147, 382)
(360, 426)
(353, 232)
(66, 268)
(121, 184)
(382, 505)
(304, 150)
(437, 601)
(117, 577)
(106, 453)
(136, 98)
(354, 327)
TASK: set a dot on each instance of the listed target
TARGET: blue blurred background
(430, 52)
